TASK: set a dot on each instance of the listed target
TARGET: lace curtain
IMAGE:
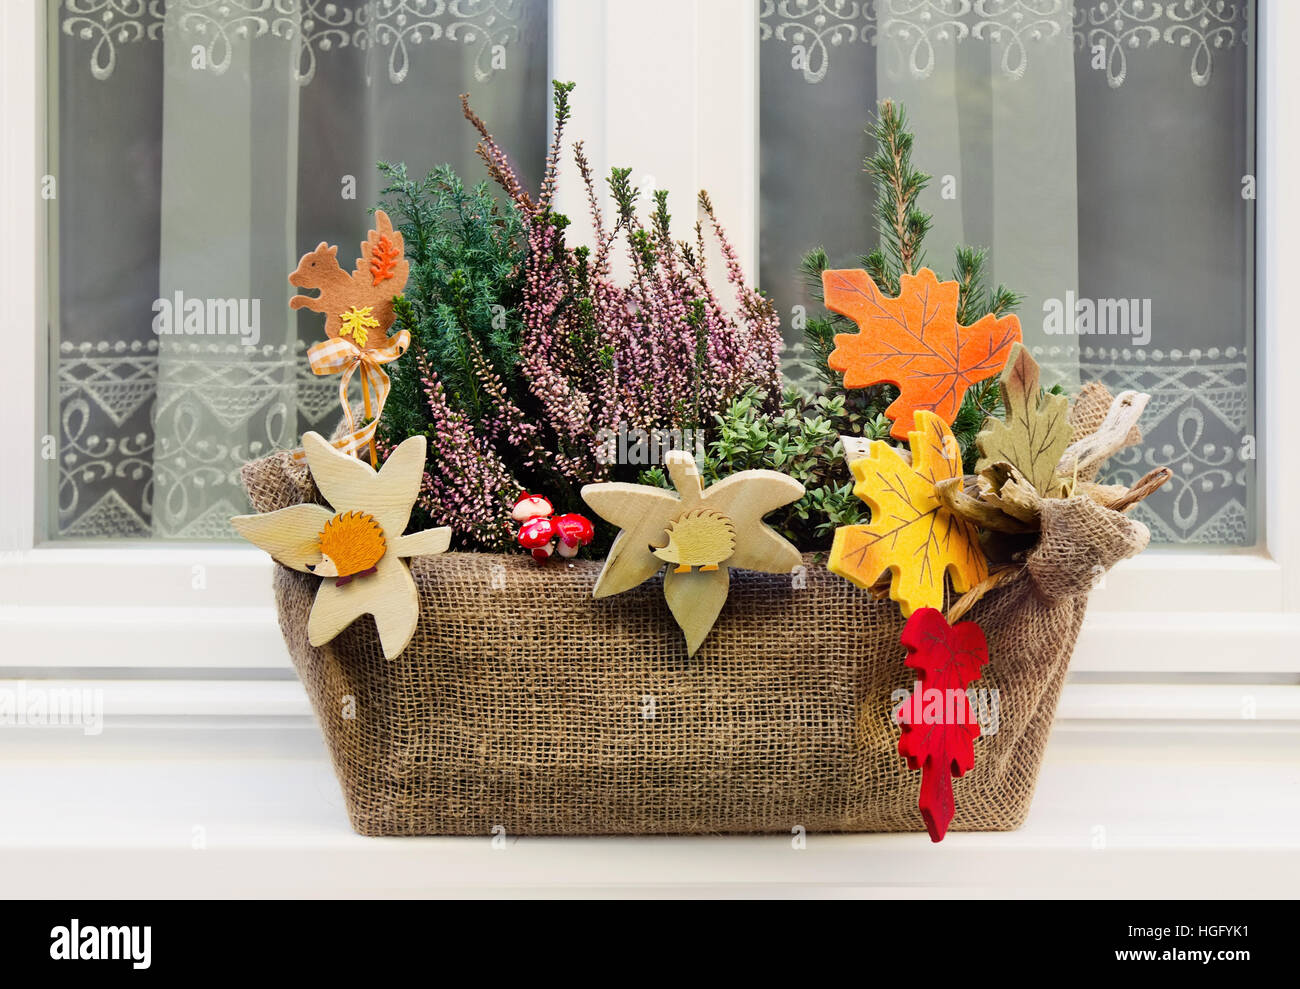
(1102, 150)
(202, 148)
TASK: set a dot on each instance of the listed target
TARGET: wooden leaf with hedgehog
(360, 540)
(714, 529)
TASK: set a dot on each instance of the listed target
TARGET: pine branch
(969, 275)
(902, 225)
(1003, 301)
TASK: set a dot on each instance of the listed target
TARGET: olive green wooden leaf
(1035, 431)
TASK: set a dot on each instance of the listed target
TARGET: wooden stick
(1145, 487)
(972, 597)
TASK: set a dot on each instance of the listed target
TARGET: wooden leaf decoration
(383, 256)
(356, 324)
(1036, 428)
(696, 599)
(939, 726)
(357, 545)
(712, 529)
(914, 342)
(912, 533)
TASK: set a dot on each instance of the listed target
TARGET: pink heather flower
(466, 485)
(659, 352)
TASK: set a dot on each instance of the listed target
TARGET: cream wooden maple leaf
(644, 513)
(385, 497)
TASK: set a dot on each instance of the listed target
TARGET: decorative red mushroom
(531, 506)
(538, 535)
(574, 531)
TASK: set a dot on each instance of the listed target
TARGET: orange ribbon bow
(339, 355)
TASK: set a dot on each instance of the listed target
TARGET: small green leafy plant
(802, 440)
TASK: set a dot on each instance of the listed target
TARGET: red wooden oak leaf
(939, 727)
(914, 342)
(383, 259)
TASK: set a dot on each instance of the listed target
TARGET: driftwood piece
(1102, 494)
(1004, 487)
(1084, 456)
(1147, 485)
(1089, 409)
(951, 493)
(855, 447)
(972, 597)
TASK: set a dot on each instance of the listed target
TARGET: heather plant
(659, 352)
(527, 354)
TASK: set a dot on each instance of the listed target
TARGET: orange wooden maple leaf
(914, 342)
(911, 533)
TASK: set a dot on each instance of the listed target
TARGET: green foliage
(461, 299)
(461, 306)
(802, 440)
(463, 303)
(900, 222)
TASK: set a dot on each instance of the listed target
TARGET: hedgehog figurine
(701, 538)
(351, 544)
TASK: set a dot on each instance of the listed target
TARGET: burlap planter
(525, 703)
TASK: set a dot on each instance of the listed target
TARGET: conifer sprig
(901, 224)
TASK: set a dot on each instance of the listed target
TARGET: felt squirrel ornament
(358, 310)
(357, 305)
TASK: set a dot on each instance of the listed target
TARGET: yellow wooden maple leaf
(911, 533)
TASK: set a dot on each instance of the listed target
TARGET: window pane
(1103, 152)
(201, 149)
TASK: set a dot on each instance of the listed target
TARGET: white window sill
(1168, 811)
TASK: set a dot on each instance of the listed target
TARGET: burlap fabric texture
(525, 703)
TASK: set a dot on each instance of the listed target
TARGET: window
(1104, 154)
(199, 150)
(707, 97)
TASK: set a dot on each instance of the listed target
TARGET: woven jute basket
(524, 703)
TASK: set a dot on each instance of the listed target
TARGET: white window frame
(1171, 634)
